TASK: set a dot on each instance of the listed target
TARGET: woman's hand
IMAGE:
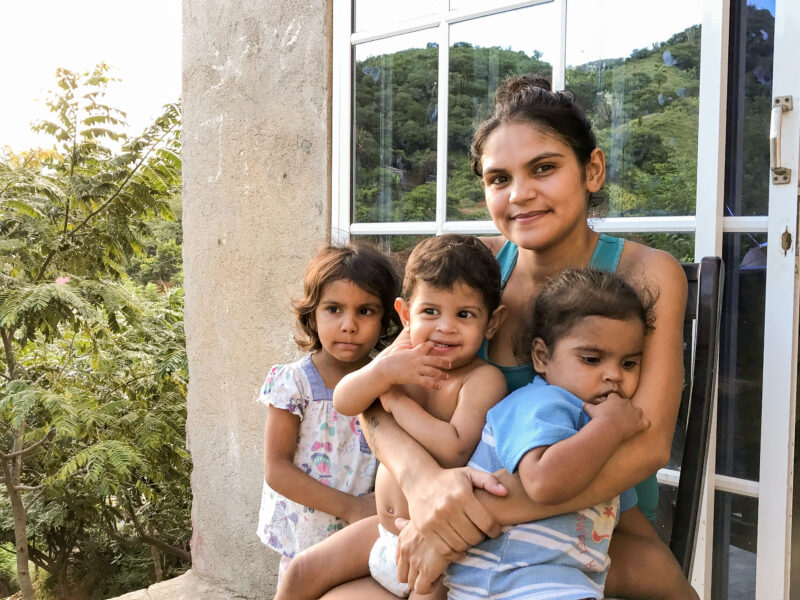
(445, 511)
(426, 564)
(447, 519)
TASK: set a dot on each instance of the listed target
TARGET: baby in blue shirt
(585, 339)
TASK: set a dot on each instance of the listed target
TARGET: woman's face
(536, 190)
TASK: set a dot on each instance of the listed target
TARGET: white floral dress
(330, 448)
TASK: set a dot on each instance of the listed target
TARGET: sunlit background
(140, 40)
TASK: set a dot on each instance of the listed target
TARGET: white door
(781, 314)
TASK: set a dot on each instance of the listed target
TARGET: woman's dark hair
(529, 99)
(365, 266)
(575, 294)
(441, 261)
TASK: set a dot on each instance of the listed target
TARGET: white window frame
(708, 225)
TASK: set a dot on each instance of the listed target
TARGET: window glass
(483, 53)
(741, 357)
(394, 129)
(640, 89)
(374, 13)
(749, 105)
(680, 245)
(398, 247)
(735, 537)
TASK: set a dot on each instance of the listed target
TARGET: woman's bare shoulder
(657, 266)
(660, 274)
(494, 243)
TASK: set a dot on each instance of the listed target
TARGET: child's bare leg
(365, 588)
(634, 521)
(369, 589)
(342, 557)
(643, 567)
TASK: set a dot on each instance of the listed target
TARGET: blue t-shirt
(565, 556)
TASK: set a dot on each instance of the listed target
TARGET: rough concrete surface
(256, 203)
(186, 587)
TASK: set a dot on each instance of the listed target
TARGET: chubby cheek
(418, 333)
(631, 383)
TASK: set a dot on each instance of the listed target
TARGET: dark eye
(590, 360)
(543, 168)
(630, 364)
(366, 310)
(332, 309)
(498, 179)
(464, 314)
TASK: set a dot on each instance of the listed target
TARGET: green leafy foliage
(93, 367)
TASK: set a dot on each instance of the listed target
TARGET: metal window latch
(780, 174)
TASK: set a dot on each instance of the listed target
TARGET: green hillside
(644, 109)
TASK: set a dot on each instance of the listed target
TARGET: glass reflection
(398, 247)
(749, 104)
(680, 245)
(735, 537)
(741, 358)
(483, 53)
(373, 13)
(394, 129)
(640, 89)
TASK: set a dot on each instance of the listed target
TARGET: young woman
(540, 166)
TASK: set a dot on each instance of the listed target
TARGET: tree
(70, 220)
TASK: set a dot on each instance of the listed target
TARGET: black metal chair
(679, 509)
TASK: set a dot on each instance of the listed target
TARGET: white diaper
(382, 565)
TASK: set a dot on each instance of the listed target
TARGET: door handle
(780, 174)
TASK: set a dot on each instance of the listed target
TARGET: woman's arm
(281, 474)
(440, 501)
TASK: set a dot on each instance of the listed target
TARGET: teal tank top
(605, 257)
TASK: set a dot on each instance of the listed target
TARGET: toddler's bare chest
(440, 403)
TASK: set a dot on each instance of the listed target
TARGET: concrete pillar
(256, 203)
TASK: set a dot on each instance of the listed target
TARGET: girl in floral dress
(318, 470)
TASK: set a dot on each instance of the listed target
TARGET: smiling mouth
(442, 346)
(529, 215)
